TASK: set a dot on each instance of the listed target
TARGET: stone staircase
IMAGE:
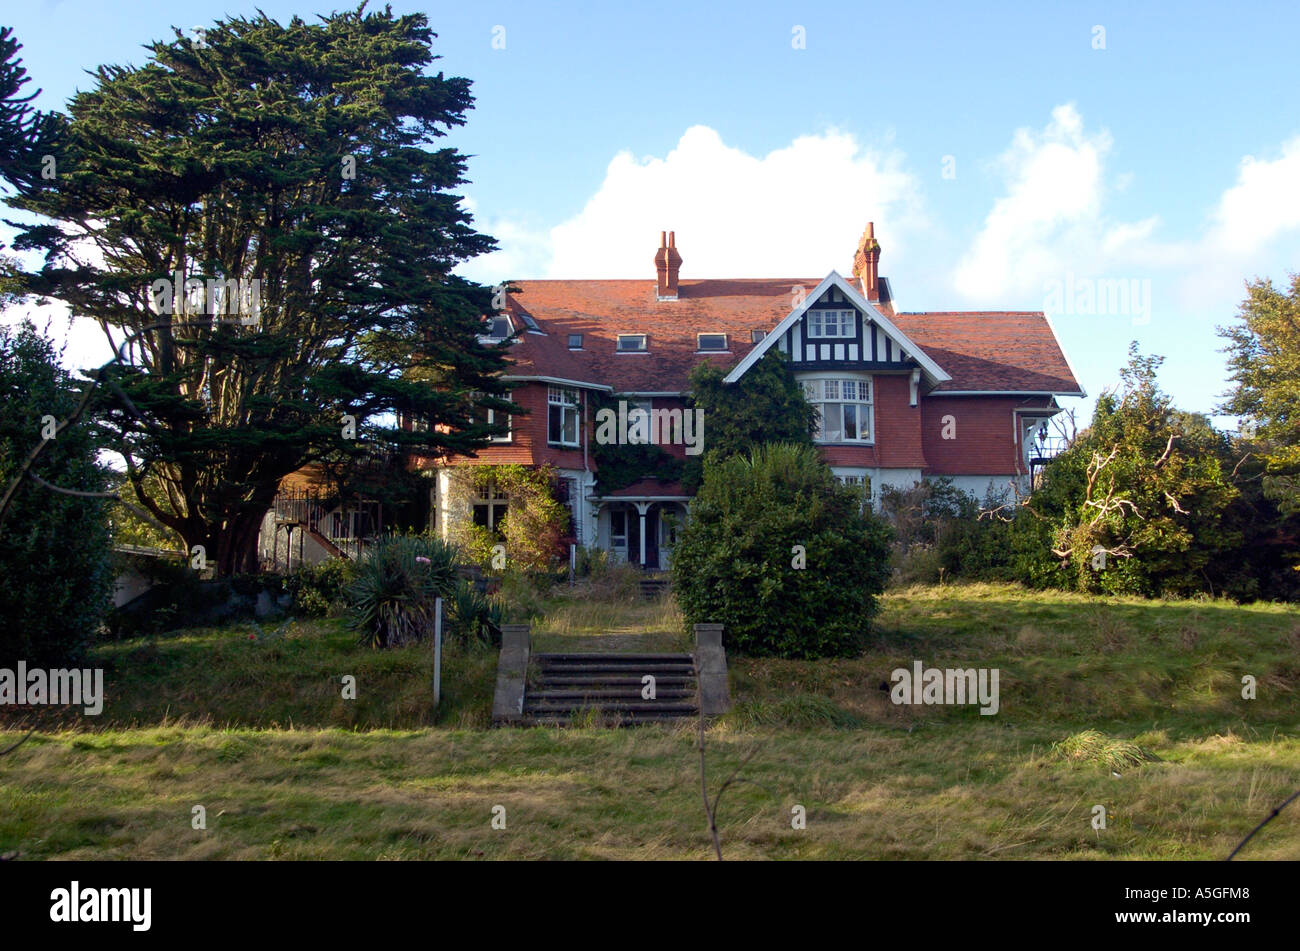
(611, 689)
(607, 688)
(653, 586)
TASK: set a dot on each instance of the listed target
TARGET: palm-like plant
(392, 599)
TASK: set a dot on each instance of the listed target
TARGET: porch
(639, 524)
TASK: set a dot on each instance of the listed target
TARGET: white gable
(834, 288)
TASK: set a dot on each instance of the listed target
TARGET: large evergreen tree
(55, 575)
(289, 169)
(1264, 366)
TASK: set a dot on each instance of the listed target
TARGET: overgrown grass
(257, 732)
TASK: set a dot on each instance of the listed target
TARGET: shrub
(736, 561)
(391, 599)
(56, 576)
(319, 589)
(473, 616)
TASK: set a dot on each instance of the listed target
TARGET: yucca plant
(475, 615)
(391, 600)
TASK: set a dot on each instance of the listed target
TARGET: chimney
(667, 263)
(866, 264)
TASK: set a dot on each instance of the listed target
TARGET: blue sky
(1007, 153)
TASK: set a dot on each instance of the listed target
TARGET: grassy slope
(370, 779)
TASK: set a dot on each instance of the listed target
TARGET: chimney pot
(866, 264)
(667, 265)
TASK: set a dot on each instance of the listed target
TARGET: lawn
(255, 730)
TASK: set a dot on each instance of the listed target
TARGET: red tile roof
(1004, 351)
(648, 488)
(981, 351)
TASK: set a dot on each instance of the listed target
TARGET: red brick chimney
(866, 264)
(667, 263)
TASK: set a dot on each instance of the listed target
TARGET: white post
(641, 509)
(437, 651)
(573, 562)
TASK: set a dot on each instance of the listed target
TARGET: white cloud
(1051, 223)
(797, 211)
(1263, 204)
(1050, 219)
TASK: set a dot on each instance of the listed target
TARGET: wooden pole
(437, 651)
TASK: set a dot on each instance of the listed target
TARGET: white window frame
(569, 400)
(818, 324)
(700, 348)
(644, 347)
(827, 389)
(579, 346)
(490, 417)
(509, 424)
(490, 498)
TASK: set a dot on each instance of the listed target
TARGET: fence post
(573, 562)
(437, 651)
(711, 670)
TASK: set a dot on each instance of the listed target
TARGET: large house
(903, 396)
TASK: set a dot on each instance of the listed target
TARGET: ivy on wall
(619, 466)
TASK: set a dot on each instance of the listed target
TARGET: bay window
(844, 408)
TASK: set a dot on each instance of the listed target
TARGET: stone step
(624, 669)
(627, 720)
(619, 707)
(627, 693)
(614, 680)
(609, 657)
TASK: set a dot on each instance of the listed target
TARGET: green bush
(942, 533)
(736, 560)
(56, 577)
(393, 593)
(319, 589)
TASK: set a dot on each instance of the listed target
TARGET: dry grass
(1102, 677)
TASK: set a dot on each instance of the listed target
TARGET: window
(530, 323)
(562, 406)
(575, 341)
(490, 507)
(618, 530)
(756, 336)
(711, 341)
(495, 417)
(499, 328)
(631, 343)
(830, 323)
(492, 417)
(844, 409)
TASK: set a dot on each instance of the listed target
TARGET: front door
(652, 539)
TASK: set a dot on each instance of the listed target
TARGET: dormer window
(499, 327)
(631, 343)
(711, 342)
(575, 341)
